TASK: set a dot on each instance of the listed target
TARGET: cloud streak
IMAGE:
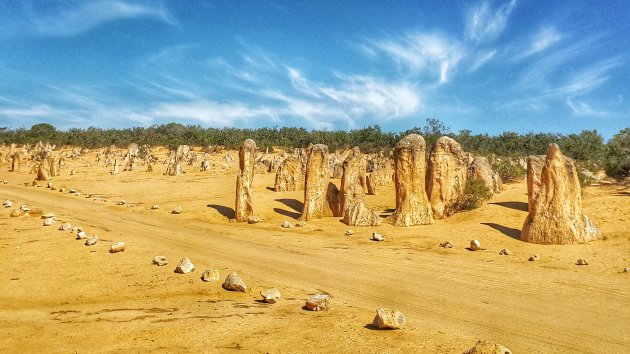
(485, 24)
(71, 20)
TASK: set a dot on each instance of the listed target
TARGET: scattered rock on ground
(49, 221)
(91, 241)
(121, 202)
(487, 347)
(155, 207)
(534, 258)
(285, 224)
(178, 210)
(160, 261)
(270, 295)
(505, 252)
(251, 220)
(211, 274)
(117, 247)
(65, 227)
(377, 237)
(7, 203)
(17, 213)
(300, 223)
(446, 244)
(184, 266)
(581, 261)
(349, 232)
(388, 319)
(475, 245)
(234, 283)
(81, 235)
(318, 302)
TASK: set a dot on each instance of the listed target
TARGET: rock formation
(43, 171)
(555, 211)
(184, 266)
(412, 204)
(173, 165)
(447, 173)
(244, 179)
(290, 175)
(320, 195)
(480, 169)
(353, 208)
(535, 164)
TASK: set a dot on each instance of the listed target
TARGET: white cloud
(72, 20)
(486, 24)
(588, 78)
(584, 109)
(545, 38)
(433, 55)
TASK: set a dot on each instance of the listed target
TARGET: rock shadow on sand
(223, 210)
(507, 231)
(287, 213)
(292, 203)
(522, 206)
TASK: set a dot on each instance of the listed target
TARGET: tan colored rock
(388, 319)
(535, 164)
(270, 295)
(412, 203)
(382, 176)
(234, 283)
(290, 175)
(447, 175)
(17, 213)
(91, 241)
(43, 171)
(159, 261)
(318, 302)
(371, 188)
(211, 274)
(555, 213)
(117, 247)
(354, 210)
(320, 195)
(480, 169)
(244, 180)
(184, 266)
(487, 347)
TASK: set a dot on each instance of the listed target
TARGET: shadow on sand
(287, 213)
(513, 205)
(223, 210)
(508, 231)
(292, 203)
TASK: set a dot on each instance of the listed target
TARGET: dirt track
(58, 295)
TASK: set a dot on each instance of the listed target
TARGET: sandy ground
(58, 295)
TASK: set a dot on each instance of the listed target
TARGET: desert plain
(58, 295)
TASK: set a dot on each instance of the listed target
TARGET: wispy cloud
(584, 109)
(485, 23)
(543, 39)
(431, 54)
(72, 19)
(588, 78)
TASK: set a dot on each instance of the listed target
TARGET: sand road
(57, 295)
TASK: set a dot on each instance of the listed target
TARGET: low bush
(475, 194)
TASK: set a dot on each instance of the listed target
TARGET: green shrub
(475, 194)
(509, 171)
(617, 161)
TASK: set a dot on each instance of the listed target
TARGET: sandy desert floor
(58, 295)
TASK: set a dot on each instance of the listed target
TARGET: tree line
(587, 147)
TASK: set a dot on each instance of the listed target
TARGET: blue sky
(487, 66)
